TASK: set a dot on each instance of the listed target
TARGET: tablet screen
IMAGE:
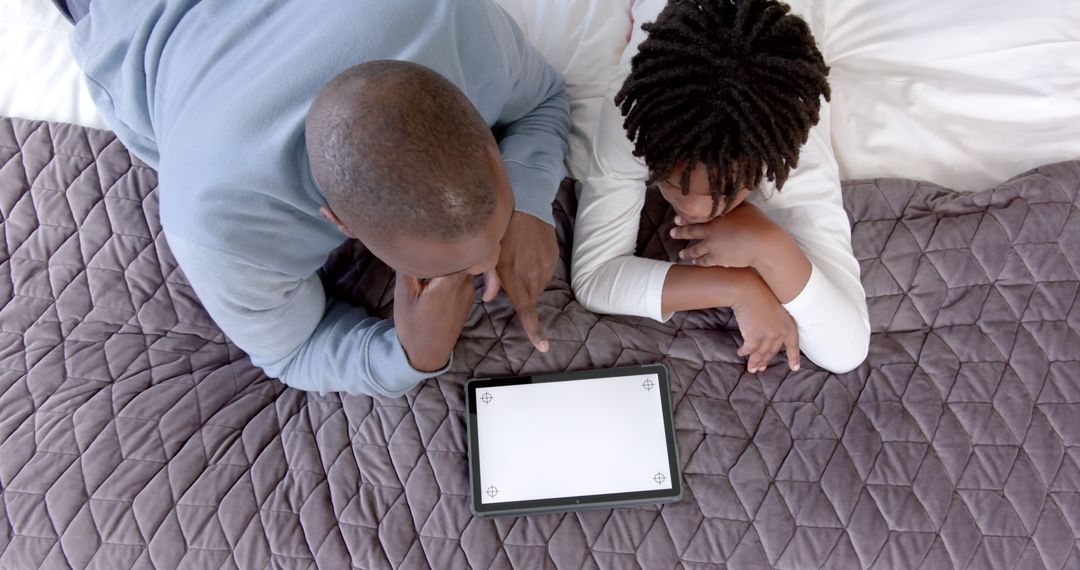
(557, 439)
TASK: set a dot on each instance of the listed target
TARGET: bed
(134, 434)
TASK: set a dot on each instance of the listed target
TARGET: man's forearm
(687, 288)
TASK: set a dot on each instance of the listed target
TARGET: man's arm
(292, 332)
(534, 124)
(527, 101)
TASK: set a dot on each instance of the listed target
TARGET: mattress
(133, 434)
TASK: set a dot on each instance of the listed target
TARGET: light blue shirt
(214, 94)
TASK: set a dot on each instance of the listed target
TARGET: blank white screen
(564, 439)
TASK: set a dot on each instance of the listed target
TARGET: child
(722, 111)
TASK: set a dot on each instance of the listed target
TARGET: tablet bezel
(562, 504)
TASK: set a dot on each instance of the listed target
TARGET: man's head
(720, 94)
(409, 168)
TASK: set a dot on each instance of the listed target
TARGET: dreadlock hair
(733, 84)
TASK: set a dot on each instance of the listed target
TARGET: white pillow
(38, 75)
(964, 93)
(583, 39)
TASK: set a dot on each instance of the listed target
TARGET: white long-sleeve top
(830, 312)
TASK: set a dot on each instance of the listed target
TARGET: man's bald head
(397, 149)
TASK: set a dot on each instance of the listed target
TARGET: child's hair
(733, 84)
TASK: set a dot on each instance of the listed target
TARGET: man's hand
(766, 327)
(429, 316)
(737, 239)
(526, 265)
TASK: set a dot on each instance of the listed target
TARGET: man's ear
(333, 219)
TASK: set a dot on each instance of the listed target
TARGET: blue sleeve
(291, 331)
(534, 125)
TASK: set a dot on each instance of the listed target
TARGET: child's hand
(737, 239)
(766, 327)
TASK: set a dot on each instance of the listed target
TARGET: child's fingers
(688, 232)
(791, 347)
(749, 347)
(695, 251)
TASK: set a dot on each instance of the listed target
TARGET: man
(279, 130)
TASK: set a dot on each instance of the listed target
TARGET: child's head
(721, 93)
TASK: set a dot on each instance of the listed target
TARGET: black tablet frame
(561, 504)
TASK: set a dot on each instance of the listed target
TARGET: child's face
(695, 205)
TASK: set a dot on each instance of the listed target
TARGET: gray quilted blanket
(134, 435)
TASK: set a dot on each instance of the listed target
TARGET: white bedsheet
(965, 93)
(38, 76)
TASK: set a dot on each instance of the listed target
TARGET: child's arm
(746, 237)
(834, 328)
(608, 278)
(799, 241)
(765, 326)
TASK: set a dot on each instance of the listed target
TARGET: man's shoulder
(230, 223)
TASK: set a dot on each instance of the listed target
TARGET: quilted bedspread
(133, 434)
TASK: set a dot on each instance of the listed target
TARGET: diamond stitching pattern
(133, 434)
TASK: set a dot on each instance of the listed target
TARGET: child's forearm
(783, 266)
(688, 288)
(780, 265)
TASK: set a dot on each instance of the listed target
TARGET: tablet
(571, 441)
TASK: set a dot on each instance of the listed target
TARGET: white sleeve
(605, 274)
(830, 311)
